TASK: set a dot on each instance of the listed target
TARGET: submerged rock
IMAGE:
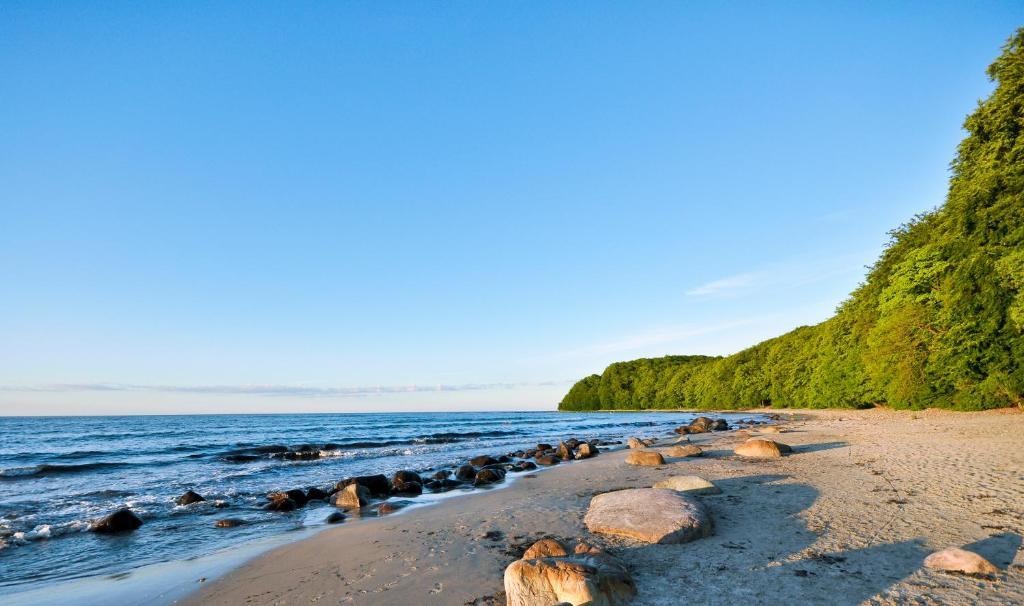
(229, 523)
(654, 515)
(335, 517)
(189, 497)
(122, 520)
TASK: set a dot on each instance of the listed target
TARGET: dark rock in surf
(564, 452)
(189, 497)
(122, 520)
(488, 476)
(315, 494)
(408, 483)
(378, 485)
(548, 460)
(483, 461)
(466, 473)
(335, 517)
(543, 446)
(229, 523)
(442, 485)
(442, 475)
(280, 501)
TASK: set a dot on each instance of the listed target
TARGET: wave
(38, 471)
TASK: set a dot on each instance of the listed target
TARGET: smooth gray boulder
(653, 515)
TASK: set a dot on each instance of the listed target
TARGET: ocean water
(58, 473)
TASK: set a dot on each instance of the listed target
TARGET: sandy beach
(847, 518)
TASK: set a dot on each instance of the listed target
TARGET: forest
(937, 323)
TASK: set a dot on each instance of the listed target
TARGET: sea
(59, 473)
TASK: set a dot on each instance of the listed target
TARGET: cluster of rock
(703, 425)
(357, 493)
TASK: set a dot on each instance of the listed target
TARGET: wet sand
(848, 518)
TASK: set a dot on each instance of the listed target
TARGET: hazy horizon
(448, 207)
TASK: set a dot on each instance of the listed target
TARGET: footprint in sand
(436, 589)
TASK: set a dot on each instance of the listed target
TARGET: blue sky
(437, 206)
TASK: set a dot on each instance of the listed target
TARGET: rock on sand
(593, 578)
(762, 449)
(955, 559)
(689, 484)
(654, 515)
(645, 457)
(688, 450)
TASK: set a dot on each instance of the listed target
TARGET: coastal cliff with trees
(938, 321)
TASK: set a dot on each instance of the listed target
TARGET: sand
(848, 518)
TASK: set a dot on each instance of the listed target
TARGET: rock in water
(122, 520)
(689, 484)
(407, 483)
(482, 461)
(688, 450)
(465, 473)
(352, 496)
(378, 484)
(635, 443)
(564, 452)
(488, 476)
(955, 559)
(592, 579)
(315, 494)
(645, 457)
(229, 523)
(547, 460)
(189, 497)
(280, 501)
(335, 518)
(654, 515)
(586, 450)
(545, 548)
(762, 449)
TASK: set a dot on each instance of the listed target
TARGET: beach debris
(595, 578)
(280, 501)
(688, 450)
(954, 559)
(645, 457)
(189, 497)
(547, 460)
(122, 520)
(353, 496)
(760, 448)
(407, 483)
(545, 548)
(689, 484)
(635, 443)
(378, 484)
(653, 515)
(586, 450)
(229, 523)
(335, 517)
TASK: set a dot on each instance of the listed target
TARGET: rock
(189, 497)
(654, 515)
(954, 559)
(585, 451)
(229, 523)
(688, 450)
(547, 460)
(592, 579)
(280, 501)
(378, 484)
(483, 461)
(699, 425)
(542, 446)
(122, 520)
(684, 429)
(545, 548)
(389, 507)
(689, 485)
(407, 483)
(350, 497)
(761, 449)
(770, 429)
(443, 485)
(315, 494)
(524, 466)
(488, 476)
(564, 452)
(645, 457)
(572, 443)
(299, 496)
(335, 517)
(635, 443)
(442, 475)
(466, 473)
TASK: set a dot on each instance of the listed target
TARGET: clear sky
(343, 206)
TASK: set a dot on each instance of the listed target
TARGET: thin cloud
(301, 391)
(723, 285)
(782, 275)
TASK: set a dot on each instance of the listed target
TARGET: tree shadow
(1000, 549)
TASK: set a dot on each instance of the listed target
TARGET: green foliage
(939, 321)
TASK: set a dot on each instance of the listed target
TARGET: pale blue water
(57, 473)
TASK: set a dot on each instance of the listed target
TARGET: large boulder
(595, 579)
(689, 485)
(954, 559)
(645, 457)
(122, 520)
(545, 548)
(189, 497)
(378, 484)
(758, 448)
(586, 450)
(686, 450)
(466, 473)
(353, 496)
(408, 483)
(654, 515)
(635, 443)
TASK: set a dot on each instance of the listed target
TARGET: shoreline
(866, 495)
